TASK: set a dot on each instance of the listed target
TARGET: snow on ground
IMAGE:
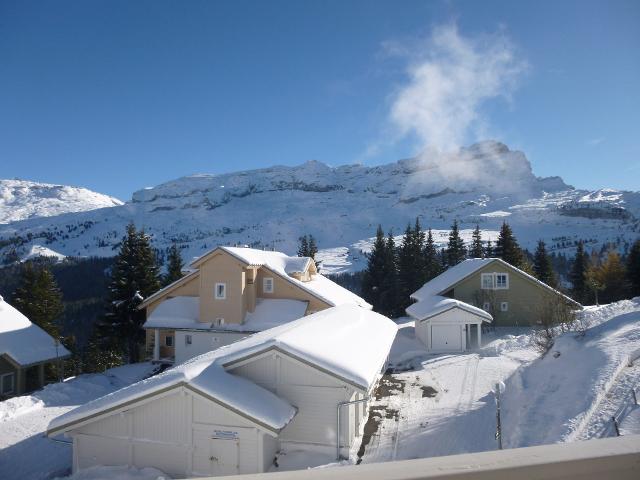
(39, 251)
(25, 453)
(562, 396)
(443, 404)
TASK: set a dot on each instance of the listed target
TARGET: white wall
(166, 433)
(202, 342)
(315, 394)
(454, 316)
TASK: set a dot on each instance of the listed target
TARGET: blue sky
(119, 95)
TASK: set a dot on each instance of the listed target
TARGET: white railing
(616, 458)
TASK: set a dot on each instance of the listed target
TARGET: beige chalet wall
(189, 289)
(286, 290)
(222, 268)
(524, 296)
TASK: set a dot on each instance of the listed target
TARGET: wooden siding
(524, 296)
(163, 433)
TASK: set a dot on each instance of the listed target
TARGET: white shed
(446, 325)
(228, 411)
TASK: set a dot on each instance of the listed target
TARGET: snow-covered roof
(183, 313)
(457, 273)
(272, 312)
(23, 341)
(349, 342)
(172, 286)
(284, 265)
(202, 374)
(258, 258)
(450, 277)
(437, 304)
(177, 312)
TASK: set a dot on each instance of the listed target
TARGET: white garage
(230, 410)
(446, 325)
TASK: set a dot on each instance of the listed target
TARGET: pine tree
(633, 269)
(406, 268)
(174, 265)
(134, 276)
(507, 247)
(390, 298)
(420, 267)
(313, 249)
(578, 274)
(303, 246)
(476, 250)
(488, 250)
(374, 276)
(39, 299)
(433, 266)
(542, 266)
(456, 251)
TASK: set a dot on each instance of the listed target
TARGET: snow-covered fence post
(616, 426)
(499, 387)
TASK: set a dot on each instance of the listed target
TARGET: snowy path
(25, 453)
(457, 416)
(619, 395)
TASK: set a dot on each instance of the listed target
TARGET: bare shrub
(554, 317)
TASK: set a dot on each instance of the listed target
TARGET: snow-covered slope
(560, 396)
(21, 199)
(484, 184)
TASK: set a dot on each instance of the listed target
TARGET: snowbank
(554, 398)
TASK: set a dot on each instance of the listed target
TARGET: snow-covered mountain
(21, 199)
(484, 184)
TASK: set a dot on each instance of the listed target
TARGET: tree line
(394, 272)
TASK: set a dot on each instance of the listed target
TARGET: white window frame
(504, 306)
(267, 285)
(485, 276)
(506, 283)
(12, 376)
(188, 340)
(169, 339)
(219, 322)
(222, 296)
(492, 284)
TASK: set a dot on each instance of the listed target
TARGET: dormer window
(221, 291)
(267, 285)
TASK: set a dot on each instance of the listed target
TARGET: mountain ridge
(342, 206)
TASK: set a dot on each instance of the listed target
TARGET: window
(7, 383)
(267, 285)
(486, 307)
(494, 281)
(168, 341)
(502, 281)
(188, 340)
(219, 322)
(504, 306)
(221, 291)
(487, 281)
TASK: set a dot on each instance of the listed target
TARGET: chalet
(230, 293)
(231, 410)
(25, 349)
(450, 309)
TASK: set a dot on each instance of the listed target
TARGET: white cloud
(449, 79)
